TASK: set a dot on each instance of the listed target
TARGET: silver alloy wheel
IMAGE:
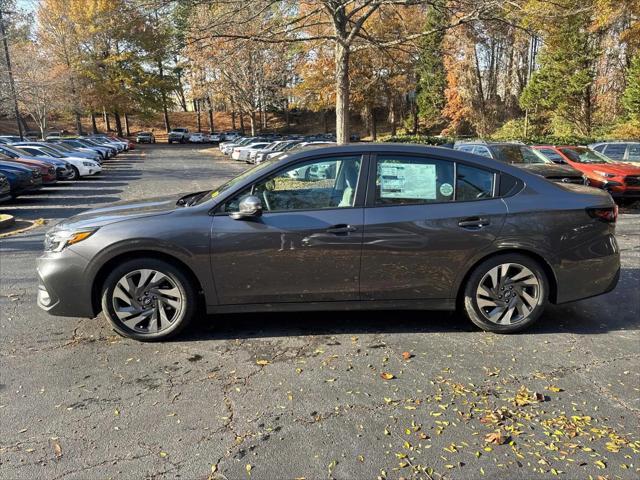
(147, 301)
(508, 293)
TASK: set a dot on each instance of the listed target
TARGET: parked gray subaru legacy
(364, 226)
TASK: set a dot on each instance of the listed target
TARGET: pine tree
(431, 72)
(631, 97)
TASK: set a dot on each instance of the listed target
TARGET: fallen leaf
(387, 376)
(262, 362)
(495, 437)
(163, 454)
(248, 469)
(406, 355)
(600, 464)
(57, 449)
(553, 388)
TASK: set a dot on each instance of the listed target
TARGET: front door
(307, 244)
(425, 220)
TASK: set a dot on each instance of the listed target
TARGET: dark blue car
(21, 178)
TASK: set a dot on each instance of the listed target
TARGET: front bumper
(62, 288)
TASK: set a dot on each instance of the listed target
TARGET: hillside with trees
(522, 69)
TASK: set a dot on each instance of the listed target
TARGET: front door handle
(474, 222)
(341, 229)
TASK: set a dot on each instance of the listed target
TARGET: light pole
(10, 73)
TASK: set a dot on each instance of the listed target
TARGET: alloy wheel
(147, 301)
(508, 293)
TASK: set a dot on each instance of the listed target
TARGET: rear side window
(413, 180)
(481, 150)
(615, 150)
(473, 183)
(599, 148)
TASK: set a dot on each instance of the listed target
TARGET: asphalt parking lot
(299, 395)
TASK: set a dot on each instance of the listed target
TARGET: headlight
(604, 174)
(57, 240)
(88, 164)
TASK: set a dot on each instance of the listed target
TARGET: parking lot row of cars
(619, 174)
(26, 166)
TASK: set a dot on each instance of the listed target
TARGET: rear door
(425, 218)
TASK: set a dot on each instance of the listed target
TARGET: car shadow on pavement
(615, 311)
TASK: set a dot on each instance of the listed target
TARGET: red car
(47, 170)
(132, 145)
(621, 180)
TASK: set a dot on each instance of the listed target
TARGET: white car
(197, 138)
(82, 167)
(242, 153)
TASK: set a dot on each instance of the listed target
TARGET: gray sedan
(378, 227)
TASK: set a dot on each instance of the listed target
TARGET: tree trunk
(325, 120)
(126, 125)
(242, 122)
(163, 97)
(78, 122)
(116, 115)
(233, 119)
(374, 125)
(105, 116)
(392, 114)
(210, 111)
(94, 127)
(252, 119)
(196, 107)
(342, 93)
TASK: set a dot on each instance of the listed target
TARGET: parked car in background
(80, 167)
(228, 147)
(103, 139)
(198, 137)
(230, 136)
(145, 137)
(10, 139)
(63, 169)
(215, 137)
(52, 135)
(628, 152)
(242, 153)
(80, 144)
(523, 157)
(179, 135)
(22, 179)
(5, 188)
(433, 229)
(47, 170)
(66, 149)
(621, 180)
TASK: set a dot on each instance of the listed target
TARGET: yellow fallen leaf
(262, 362)
(600, 464)
(387, 376)
(553, 388)
(248, 469)
(163, 454)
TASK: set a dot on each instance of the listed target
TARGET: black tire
(75, 173)
(184, 315)
(480, 318)
(170, 141)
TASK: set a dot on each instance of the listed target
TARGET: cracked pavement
(300, 395)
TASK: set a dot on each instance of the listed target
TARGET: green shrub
(421, 139)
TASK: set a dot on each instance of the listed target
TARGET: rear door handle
(474, 222)
(341, 229)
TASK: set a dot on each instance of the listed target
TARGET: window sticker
(446, 189)
(408, 180)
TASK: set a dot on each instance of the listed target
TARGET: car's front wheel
(148, 299)
(75, 174)
(506, 293)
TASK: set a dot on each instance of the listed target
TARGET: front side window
(584, 155)
(413, 180)
(313, 185)
(634, 153)
(482, 150)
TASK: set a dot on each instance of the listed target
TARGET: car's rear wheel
(506, 293)
(148, 299)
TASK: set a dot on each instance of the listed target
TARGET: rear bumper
(595, 273)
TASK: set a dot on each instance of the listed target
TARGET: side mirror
(249, 207)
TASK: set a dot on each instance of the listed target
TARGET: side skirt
(430, 304)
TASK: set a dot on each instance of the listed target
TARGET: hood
(120, 211)
(621, 169)
(14, 166)
(33, 162)
(550, 169)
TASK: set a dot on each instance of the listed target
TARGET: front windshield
(584, 155)
(518, 154)
(92, 143)
(63, 147)
(236, 180)
(11, 152)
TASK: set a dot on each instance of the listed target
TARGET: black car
(5, 188)
(377, 226)
(526, 158)
(22, 179)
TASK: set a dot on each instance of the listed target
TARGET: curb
(22, 226)
(6, 221)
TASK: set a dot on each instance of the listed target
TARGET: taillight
(608, 214)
